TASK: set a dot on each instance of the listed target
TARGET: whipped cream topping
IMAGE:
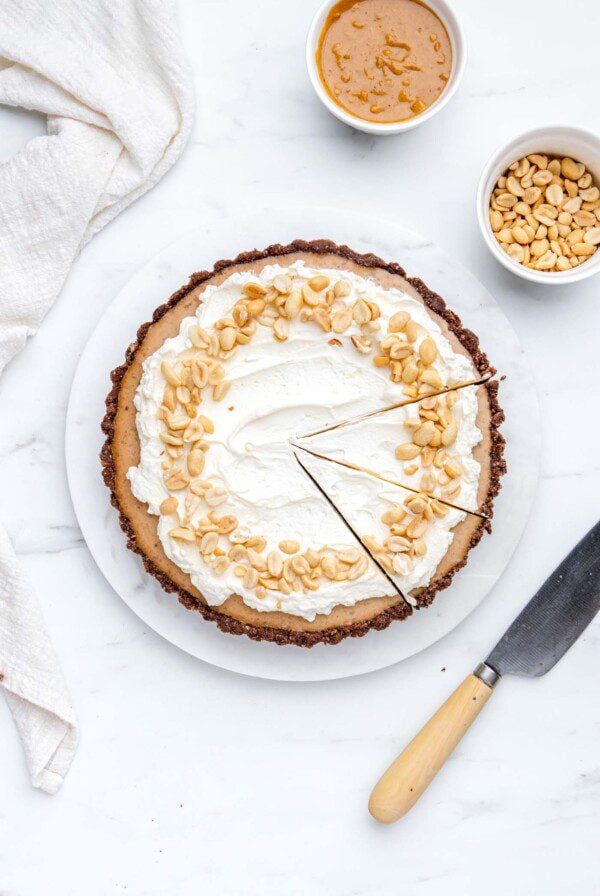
(279, 391)
(371, 443)
(362, 499)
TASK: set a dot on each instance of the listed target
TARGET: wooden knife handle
(410, 774)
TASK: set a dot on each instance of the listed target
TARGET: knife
(543, 632)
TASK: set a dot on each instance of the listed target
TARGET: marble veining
(192, 779)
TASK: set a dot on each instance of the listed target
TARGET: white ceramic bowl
(560, 140)
(459, 56)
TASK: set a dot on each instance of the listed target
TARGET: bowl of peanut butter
(385, 66)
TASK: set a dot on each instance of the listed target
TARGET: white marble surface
(190, 779)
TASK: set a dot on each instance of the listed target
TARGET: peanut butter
(384, 60)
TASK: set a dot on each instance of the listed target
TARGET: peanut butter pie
(303, 444)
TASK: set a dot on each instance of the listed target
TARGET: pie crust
(121, 451)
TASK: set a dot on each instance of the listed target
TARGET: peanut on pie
(303, 444)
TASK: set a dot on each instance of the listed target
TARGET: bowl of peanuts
(538, 205)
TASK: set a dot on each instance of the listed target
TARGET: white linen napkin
(34, 686)
(113, 81)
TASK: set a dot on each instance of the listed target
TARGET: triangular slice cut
(375, 410)
(300, 457)
(419, 541)
(447, 446)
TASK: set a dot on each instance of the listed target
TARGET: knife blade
(555, 616)
(542, 633)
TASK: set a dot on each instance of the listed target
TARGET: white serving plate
(150, 287)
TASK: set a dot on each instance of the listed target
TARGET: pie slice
(447, 446)
(197, 457)
(419, 541)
